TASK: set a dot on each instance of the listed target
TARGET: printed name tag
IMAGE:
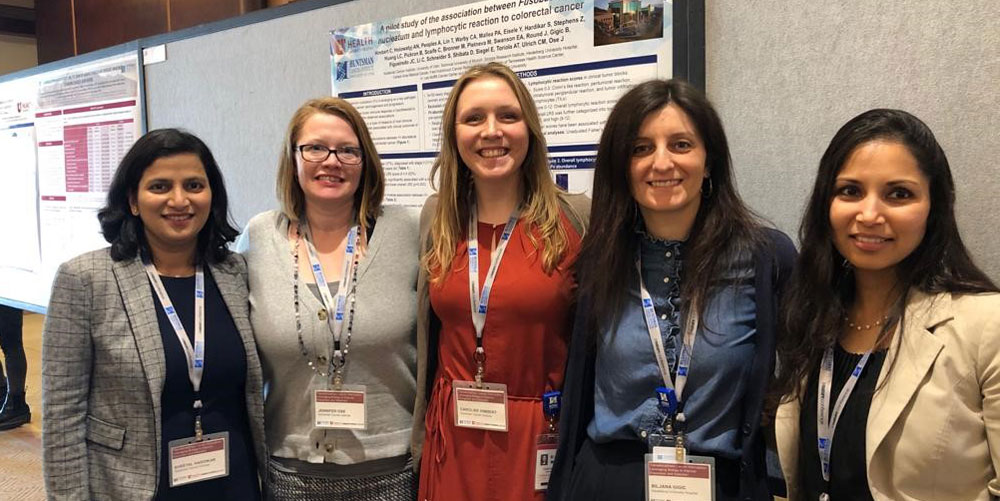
(481, 408)
(192, 461)
(341, 409)
(670, 481)
(545, 456)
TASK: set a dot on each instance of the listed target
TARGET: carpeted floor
(21, 448)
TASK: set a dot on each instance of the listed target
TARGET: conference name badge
(193, 461)
(342, 409)
(675, 481)
(545, 457)
(482, 408)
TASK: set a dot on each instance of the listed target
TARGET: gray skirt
(285, 485)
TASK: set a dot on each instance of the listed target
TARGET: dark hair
(124, 231)
(724, 227)
(821, 288)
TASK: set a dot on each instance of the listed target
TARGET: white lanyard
(480, 303)
(195, 355)
(826, 423)
(330, 302)
(653, 326)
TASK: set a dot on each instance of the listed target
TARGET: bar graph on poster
(67, 130)
(577, 57)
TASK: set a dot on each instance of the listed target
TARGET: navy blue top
(222, 393)
(625, 404)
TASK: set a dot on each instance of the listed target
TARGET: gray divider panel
(236, 89)
(786, 74)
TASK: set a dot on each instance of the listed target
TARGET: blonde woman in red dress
(494, 185)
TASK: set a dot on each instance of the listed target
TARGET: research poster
(577, 57)
(18, 191)
(87, 119)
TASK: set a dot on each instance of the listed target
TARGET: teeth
(332, 179)
(669, 182)
(493, 152)
(178, 217)
(871, 240)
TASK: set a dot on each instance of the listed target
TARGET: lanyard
(826, 423)
(195, 355)
(653, 326)
(480, 302)
(334, 305)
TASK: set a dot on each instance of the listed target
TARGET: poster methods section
(577, 57)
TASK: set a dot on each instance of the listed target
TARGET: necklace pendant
(322, 314)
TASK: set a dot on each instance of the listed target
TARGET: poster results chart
(87, 120)
(577, 57)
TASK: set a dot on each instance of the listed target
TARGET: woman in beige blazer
(889, 330)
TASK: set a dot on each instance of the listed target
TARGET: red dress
(526, 341)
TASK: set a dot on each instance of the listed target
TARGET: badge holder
(341, 406)
(546, 443)
(676, 481)
(198, 458)
(481, 406)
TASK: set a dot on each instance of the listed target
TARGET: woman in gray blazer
(151, 382)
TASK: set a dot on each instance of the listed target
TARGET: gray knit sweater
(382, 352)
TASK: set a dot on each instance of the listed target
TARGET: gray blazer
(103, 372)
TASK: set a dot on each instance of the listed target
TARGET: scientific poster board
(18, 191)
(577, 57)
(68, 129)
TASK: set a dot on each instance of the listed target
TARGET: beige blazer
(934, 427)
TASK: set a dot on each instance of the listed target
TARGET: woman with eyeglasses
(333, 304)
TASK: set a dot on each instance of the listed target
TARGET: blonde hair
(368, 197)
(540, 197)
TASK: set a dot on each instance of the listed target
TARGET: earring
(707, 192)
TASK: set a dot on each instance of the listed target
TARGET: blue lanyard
(195, 354)
(479, 302)
(826, 423)
(659, 350)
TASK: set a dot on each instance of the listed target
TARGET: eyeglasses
(348, 155)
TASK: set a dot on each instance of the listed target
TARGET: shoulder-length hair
(723, 227)
(540, 197)
(125, 231)
(821, 289)
(367, 198)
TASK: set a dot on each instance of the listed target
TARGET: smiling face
(490, 130)
(667, 165)
(174, 200)
(881, 200)
(329, 181)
